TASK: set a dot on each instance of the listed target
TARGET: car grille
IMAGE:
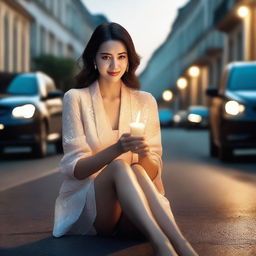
(4, 110)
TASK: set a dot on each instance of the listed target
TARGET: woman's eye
(105, 57)
(122, 57)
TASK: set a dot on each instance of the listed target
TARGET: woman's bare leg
(117, 187)
(163, 215)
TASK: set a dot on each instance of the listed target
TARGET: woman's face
(111, 60)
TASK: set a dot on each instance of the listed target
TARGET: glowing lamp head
(194, 71)
(242, 11)
(182, 83)
(167, 95)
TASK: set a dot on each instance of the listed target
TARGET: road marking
(26, 179)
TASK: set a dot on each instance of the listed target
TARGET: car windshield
(23, 85)
(199, 111)
(243, 78)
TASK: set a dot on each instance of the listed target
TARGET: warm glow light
(167, 95)
(25, 111)
(242, 11)
(1, 126)
(194, 118)
(194, 71)
(182, 83)
(234, 108)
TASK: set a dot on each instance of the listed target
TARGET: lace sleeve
(74, 138)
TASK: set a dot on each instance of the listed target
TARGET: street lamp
(182, 83)
(167, 95)
(194, 71)
(242, 11)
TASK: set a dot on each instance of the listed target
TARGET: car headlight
(25, 111)
(194, 118)
(234, 108)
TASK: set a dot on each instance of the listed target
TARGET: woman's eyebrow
(106, 53)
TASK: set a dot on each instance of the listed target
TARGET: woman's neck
(110, 90)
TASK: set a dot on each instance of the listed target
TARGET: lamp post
(182, 84)
(194, 72)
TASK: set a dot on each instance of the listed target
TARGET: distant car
(197, 117)
(233, 110)
(179, 118)
(166, 117)
(30, 113)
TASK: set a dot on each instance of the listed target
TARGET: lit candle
(137, 128)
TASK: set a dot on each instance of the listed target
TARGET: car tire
(40, 149)
(225, 154)
(58, 146)
(213, 148)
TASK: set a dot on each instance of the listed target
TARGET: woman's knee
(139, 170)
(120, 167)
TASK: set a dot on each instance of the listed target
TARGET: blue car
(233, 110)
(30, 113)
(166, 117)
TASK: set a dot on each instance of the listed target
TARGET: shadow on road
(70, 245)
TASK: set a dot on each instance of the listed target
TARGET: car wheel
(58, 146)
(213, 148)
(40, 149)
(225, 153)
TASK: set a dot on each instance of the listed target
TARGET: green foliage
(61, 69)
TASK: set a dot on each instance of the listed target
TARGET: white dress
(86, 131)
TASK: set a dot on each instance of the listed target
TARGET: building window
(15, 46)
(42, 40)
(239, 45)
(6, 43)
(51, 44)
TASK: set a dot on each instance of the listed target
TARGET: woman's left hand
(141, 148)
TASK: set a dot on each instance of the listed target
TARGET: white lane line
(29, 179)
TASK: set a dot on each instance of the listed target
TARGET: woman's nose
(114, 63)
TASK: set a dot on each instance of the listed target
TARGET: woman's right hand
(129, 143)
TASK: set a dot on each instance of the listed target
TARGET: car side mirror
(212, 92)
(55, 94)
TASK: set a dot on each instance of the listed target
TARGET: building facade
(15, 24)
(54, 27)
(205, 36)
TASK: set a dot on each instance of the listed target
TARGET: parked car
(166, 117)
(197, 117)
(233, 110)
(30, 113)
(179, 118)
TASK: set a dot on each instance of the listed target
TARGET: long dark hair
(103, 33)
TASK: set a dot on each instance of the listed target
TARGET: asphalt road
(213, 203)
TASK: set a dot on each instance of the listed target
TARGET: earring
(95, 67)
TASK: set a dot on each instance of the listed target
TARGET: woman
(109, 173)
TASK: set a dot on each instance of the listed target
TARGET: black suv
(30, 113)
(233, 110)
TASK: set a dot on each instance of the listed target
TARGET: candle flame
(138, 117)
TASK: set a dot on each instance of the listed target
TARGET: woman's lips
(114, 73)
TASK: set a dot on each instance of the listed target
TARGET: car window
(23, 85)
(243, 78)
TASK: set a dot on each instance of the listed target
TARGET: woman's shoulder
(142, 95)
(75, 92)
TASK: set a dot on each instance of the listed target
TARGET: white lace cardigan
(87, 130)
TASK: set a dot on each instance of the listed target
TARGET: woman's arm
(89, 165)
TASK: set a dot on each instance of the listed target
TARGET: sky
(148, 21)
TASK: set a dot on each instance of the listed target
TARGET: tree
(61, 69)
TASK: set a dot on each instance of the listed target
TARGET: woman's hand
(134, 144)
